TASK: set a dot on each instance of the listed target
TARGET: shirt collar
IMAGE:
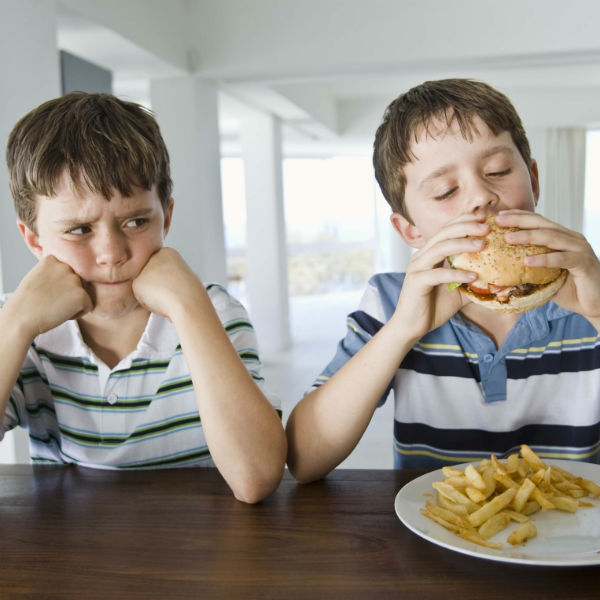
(536, 321)
(159, 341)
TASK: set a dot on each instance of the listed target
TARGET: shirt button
(112, 398)
(488, 358)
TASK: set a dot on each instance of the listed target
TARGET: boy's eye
(80, 230)
(446, 194)
(134, 223)
(499, 173)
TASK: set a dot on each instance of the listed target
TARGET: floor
(317, 324)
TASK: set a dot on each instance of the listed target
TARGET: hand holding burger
(505, 283)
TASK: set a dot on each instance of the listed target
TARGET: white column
(186, 110)
(29, 72)
(565, 176)
(266, 245)
(29, 75)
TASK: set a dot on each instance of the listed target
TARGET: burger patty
(506, 294)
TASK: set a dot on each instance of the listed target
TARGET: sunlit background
(314, 76)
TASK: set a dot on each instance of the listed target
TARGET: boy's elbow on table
(254, 489)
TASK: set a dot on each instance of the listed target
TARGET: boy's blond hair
(413, 112)
(101, 141)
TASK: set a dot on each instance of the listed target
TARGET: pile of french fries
(484, 499)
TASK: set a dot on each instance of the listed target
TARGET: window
(330, 223)
(591, 214)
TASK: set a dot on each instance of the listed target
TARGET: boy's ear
(31, 238)
(168, 217)
(409, 232)
(535, 180)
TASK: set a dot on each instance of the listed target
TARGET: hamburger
(504, 282)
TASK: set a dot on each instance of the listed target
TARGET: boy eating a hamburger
(479, 359)
(114, 353)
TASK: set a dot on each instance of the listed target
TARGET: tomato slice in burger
(478, 290)
(492, 289)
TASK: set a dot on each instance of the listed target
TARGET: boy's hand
(581, 290)
(426, 301)
(50, 294)
(165, 281)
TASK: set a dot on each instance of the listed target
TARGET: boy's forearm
(243, 431)
(326, 425)
(15, 340)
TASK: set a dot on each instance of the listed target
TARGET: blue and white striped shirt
(458, 398)
(140, 414)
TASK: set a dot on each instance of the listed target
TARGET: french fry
(519, 517)
(531, 507)
(492, 507)
(535, 462)
(523, 533)
(477, 539)
(589, 486)
(541, 499)
(512, 463)
(564, 473)
(488, 477)
(484, 463)
(505, 480)
(523, 468)
(447, 524)
(475, 494)
(447, 515)
(494, 525)
(527, 486)
(460, 483)
(538, 476)
(479, 502)
(498, 466)
(566, 503)
(453, 494)
(474, 478)
(459, 509)
(452, 472)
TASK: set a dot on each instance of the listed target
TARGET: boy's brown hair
(101, 141)
(446, 99)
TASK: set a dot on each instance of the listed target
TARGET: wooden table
(68, 532)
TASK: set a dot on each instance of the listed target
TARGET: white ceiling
(328, 68)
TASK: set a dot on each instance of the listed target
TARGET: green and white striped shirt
(140, 414)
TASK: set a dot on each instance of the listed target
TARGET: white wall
(29, 73)
(237, 38)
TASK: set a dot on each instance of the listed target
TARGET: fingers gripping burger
(504, 282)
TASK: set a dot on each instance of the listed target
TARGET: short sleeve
(361, 326)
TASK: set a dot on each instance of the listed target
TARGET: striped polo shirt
(459, 398)
(140, 414)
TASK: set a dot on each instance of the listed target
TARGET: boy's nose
(111, 249)
(482, 199)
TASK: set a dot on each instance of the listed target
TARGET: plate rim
(480, 551)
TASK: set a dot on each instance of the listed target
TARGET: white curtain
(563, 177)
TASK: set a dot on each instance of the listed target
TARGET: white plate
(563, 539)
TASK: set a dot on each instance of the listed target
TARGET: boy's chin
(114, 309)
(112, 303)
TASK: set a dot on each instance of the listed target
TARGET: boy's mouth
(111, 283)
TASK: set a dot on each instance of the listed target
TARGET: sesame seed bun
(501, 264)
